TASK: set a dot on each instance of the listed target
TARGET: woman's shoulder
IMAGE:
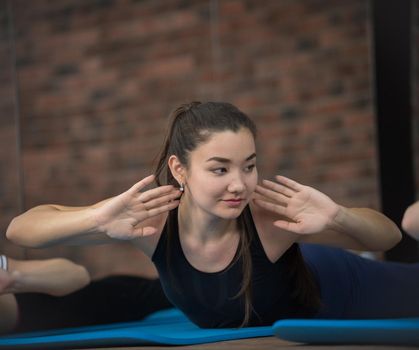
(275, 241)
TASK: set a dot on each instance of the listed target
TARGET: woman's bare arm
(315, 218)
(121, 217)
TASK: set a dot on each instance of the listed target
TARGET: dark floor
(267, 343)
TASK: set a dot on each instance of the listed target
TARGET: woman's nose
(236, 185)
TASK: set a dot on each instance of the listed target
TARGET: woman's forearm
(52, 224)
(373, 230)
(123, 217)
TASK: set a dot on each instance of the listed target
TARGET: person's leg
(353, 287)
(54, 277)
(40, 286)
(8, 304)
(113, 299)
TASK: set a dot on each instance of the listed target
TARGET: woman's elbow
(17, 235)
(12, 232)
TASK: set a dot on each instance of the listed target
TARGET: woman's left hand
(301, 209)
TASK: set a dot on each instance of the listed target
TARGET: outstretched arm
(410, 222)
(123, 217)
(316, 218)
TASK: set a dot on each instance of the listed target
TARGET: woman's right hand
(124, 216)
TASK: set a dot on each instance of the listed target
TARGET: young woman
(230, 252)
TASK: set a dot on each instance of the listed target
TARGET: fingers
(155, 202)
(273, 196)
(140, 231)
(273, 207)
(281, 190)
(141, 184)
(162, 193)
(162, 208)
(158, 192)
(276, 196)
(294, 185)
(147, 204)
(145, 231)
(269, 194)
(155, 207)
(278, 188)
(259, 196)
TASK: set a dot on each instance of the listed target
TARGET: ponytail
(167, 150)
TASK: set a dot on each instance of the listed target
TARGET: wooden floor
(266, 343)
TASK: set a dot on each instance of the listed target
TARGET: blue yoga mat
(171, 327)
(383, 331)
(168, 327)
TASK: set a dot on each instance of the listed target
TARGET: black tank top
(210, 299)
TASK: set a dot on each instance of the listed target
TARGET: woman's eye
(249, 168)
(219, 171)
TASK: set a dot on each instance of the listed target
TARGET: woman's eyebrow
(225, 160)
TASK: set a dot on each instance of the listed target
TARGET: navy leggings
(355, 287)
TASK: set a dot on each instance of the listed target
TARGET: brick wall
(97, 79)
(415, 92)
(10, 194)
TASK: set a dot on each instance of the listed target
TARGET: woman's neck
(202, 225)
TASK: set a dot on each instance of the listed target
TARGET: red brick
(97, 81)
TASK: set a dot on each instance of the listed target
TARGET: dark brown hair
(192, 124)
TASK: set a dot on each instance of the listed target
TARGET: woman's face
(222, 174)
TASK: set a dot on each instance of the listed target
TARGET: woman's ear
(177, 169)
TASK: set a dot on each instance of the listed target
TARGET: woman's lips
(233, 202)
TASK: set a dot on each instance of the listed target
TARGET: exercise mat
(402, 331)
(168, 327)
